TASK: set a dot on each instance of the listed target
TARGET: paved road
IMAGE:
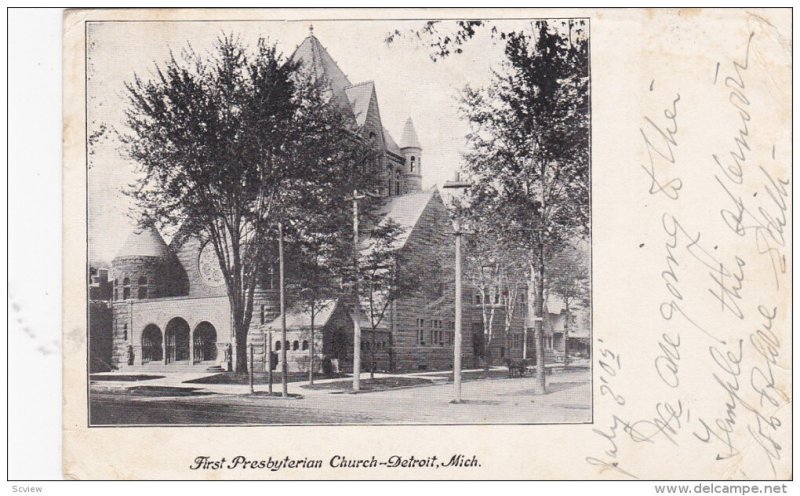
(487, 401)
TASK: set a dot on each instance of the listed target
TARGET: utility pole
(284, 365)
(269, 359)
(311, 349)
(457, 184)
(457, 344)
(355, 313)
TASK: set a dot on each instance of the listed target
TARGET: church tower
(412, 152)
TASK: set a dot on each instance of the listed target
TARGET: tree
(222, 145)
(384, 277)
(528, 155)
(568, 277)
(481, 271)
(493, 266)
(512, 283)
(319, 247)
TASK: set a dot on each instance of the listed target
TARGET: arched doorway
(177, 338)
(340, 345)
(205, 342)
(152, 342)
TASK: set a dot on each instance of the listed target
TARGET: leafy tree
(482, 268)
(385, 276)
(320, 227)
(224, 146)
(494, 266)
(568, 277)
(528, 153)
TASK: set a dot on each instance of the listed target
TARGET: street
(490, 401)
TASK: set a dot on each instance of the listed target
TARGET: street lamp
(457, 184)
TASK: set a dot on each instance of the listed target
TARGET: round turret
(141, 266)
(412, 152)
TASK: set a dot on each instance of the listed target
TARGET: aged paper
(675, 364)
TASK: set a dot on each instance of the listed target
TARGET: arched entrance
(177, 338)
(340, 345)
(205, 342)
(152, 342)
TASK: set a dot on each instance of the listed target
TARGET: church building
(170, 310)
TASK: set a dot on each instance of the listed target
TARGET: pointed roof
(359, 96)
(315, 57)
(144, 243)
(409, 138)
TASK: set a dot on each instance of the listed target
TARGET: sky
(408, 84)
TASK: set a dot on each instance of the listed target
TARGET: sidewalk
(179, 380)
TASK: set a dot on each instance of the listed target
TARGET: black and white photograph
(547, 247)
(359, 222)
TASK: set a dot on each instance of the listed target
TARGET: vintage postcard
(427, 244)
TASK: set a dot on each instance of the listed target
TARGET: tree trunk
(372, 356)
(240, 366)
(487, 355)
(541, 381)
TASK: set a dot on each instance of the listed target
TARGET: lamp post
(457, 184)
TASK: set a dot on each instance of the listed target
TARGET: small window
(125, 332)
(305, 345)
(397, 178)
(262, 314)
(478, 298)
(295, 346)
(142, 291)
(126, 289)
(413, 160)
(277, 346)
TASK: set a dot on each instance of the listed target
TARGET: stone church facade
(170, 310)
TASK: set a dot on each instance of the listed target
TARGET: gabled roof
(144, 243)
(409, 138)
(301, 319)
(406, 211)
(359, 96)
(391, 145)
(353, 99)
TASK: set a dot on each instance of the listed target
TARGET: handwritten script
(718, 349)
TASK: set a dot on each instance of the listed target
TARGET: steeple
(409, 138)
(412, 152)
(316, 61)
